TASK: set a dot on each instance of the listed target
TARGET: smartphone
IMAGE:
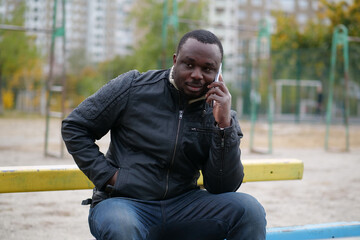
(216, 80)
(218, 74)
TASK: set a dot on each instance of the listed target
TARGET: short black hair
(203, 36)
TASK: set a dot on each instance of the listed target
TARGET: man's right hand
(112, 180)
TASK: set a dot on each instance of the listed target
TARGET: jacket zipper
(181, 112)
(222, 156)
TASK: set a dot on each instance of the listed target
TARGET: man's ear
(174, 58)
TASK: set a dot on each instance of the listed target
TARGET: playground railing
(69, 177)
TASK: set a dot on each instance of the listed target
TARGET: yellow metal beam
(270, 170)
(69, 177)
(42, 178)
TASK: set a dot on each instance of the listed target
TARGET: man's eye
(208, 70)
(189, 65)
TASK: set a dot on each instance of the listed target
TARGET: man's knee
(115, 220)
(256, 211)
(248, 217)
(246, 208)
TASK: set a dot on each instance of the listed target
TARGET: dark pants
(196, 215)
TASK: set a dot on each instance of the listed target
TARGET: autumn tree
(20, 64)
(303, 52)
(148, 18)
(342, 12)
(348, 14)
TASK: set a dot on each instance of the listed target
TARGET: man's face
(195, 67)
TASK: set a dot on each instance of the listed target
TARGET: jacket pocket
(121, 182)
(201, 130)
(199, 135)
(195, 144)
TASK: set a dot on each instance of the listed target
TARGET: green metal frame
(169, 20)
(56, 32)
(264, 33)
(340, 38)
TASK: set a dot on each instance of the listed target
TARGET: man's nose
(197, 74)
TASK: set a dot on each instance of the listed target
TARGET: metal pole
(23, 29)
(56, 32)
(298, 89)
(175, 20)
(264, 32)
(168, 20)
(271, 104)
(339, 38)
(50, 78)
(63, 78)
(164, 33)
(346, 87)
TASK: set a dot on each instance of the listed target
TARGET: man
(163, 131)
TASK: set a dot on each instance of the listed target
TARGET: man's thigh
(193, 215)
(201, 215)
(200, 204)
(121, 218)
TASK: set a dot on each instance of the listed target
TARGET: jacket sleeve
(90, 121)
(224, 172)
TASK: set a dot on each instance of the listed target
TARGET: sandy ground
(328, 192)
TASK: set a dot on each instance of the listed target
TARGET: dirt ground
(328, 192)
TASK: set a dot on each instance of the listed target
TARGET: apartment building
(100, 27)
(108, 32)
(97, 27)
(236, 22)
(38, 16)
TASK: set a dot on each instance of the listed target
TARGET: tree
(342, 12)
(347, 14)
(115, 67)
(304, 53)
(148, 17)
(77, 61)
(19, 59)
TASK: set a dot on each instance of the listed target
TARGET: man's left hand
(219, 93)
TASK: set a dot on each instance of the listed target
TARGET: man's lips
(194, 87)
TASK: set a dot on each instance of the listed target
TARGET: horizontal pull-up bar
(69, 177)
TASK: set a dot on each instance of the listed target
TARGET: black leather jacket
(159, 141)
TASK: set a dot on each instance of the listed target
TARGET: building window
(219, 10)
(257, 16)
(314, 6)
(303, 4)
(301, 18)
(256, 3)
(288, 5)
